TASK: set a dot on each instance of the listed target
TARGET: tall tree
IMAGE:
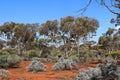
(19, 35)
(49, 29)
(76, 30)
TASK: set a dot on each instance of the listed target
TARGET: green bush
(13, 60)
(4, 53)
(9, 60)
(114, 54)
(28, 55)
(74, 57)
(3, 61)
(55, 52)
(11, 50)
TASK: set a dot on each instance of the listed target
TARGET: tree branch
(110, 9)
(85, 8)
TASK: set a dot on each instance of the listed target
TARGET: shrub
(36, 66)
(4, 73)
(13, 60)
(101, 72)
(4, 53)
(55, 52)
(28, 55)
(11, 50)
(3, 61)
(9, 60)
(114, 54)
(74, 57)
(64, 64)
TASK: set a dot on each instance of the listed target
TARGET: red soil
(21, 73)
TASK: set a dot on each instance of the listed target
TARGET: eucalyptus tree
(50, 30)
(19, 35)
(110, 41)
(6, 30)
(76, 30)
(24, 35)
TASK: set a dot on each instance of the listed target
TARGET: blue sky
(38, 11)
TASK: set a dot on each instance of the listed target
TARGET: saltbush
(4, 53)
(74, 57)
(110, 71)
(114, 54)
(13, 60)
(4, 74)
(64, 64)
(9, 60)
(36, 66)
(28, 55)
(11, 50)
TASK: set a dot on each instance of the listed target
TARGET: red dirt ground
(21, 73)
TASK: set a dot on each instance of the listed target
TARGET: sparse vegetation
(62, 45)
(36, 66)
(4, 74)
(64, 64)
(8, 60)
(110, 71)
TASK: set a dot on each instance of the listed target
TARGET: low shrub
(114, 54)
(11, 50)
(109, 71)
(36, 66)
(74, 58)
(4, 74)
(9, 60)
(13, 60)
(28, 55)
(4, 53)
(64, 64)
(3, 61)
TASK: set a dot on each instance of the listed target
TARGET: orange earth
(20, 73)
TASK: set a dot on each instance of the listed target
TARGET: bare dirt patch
(21, 73)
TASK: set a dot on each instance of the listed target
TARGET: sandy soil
(21, 73)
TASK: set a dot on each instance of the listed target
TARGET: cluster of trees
(110, 40)
(61, 34)
(69, 35)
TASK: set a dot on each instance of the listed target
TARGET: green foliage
(45, 52)
(55, 52)
(31, 53)
(13, 60)
(8, 60)
(74, 57)
(11, 50)
(3, 61)
(114, 54)
(4, 53)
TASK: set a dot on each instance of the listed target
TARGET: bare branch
(112, 11)
(85, 8)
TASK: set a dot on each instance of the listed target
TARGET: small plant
(28, 55)
(64, 64)
(36, 66)
(101, 72)
(4, 74)
(13, 60)
(9, 60)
